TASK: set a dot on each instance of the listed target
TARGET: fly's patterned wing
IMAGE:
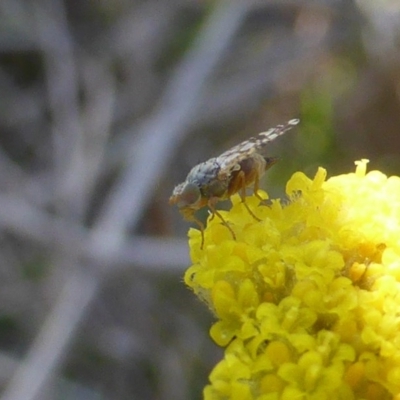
(230, 159)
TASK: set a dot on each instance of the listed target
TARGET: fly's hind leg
(241, 179)
(211, 205)
(256, 187)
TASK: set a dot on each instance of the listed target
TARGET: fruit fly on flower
(220, 177)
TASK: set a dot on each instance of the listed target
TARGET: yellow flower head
(307, 300)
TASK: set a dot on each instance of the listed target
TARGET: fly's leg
(211, 205)
(256, 187)
(241, 179)
(189, 216)
(201, 226)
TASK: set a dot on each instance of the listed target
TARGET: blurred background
(105, 105)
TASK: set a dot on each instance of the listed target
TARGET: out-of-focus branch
(63, 96)
(50, 345)
(66, 237)
(99, 88)
(151, 150)
(240, 93)
(158, 136)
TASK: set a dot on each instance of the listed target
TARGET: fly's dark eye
(189, 196)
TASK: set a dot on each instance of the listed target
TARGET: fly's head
(187, 197)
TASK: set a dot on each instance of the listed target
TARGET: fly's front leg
(201, 226)
(211, 205)
(189, 216)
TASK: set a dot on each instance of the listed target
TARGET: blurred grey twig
(152, 148)
(158, 135)
(62, 235)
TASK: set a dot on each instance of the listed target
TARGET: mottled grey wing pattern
(230, 159)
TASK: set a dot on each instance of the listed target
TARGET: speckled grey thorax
(204, 173)
(206, 177)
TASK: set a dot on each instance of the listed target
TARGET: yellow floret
(307, 300)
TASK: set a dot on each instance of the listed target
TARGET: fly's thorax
(206, 177)
(204, 173)
(216, 188)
